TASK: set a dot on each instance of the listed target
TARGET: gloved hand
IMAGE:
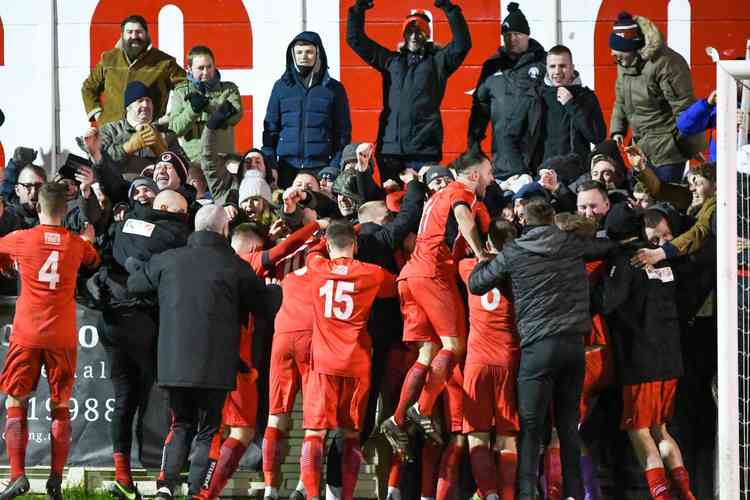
(363, 5)
(153, 139)
(443, 4)
(134, 144)
(219, 117)
(23, 156)
(197, 101)
(133, 265)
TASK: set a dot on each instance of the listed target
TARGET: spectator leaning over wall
(415, 75)
(653, 86)
(133, 58)
(197, 99)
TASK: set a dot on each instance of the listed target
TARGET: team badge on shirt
(139, 227)
(51, 238)
(340, 270)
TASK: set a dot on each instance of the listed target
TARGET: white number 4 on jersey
(48, 272)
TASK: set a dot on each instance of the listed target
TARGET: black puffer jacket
(641, 313)
(549, 281)
(205, 293)
(410, 124)
(508, 93)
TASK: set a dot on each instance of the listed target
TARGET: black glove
(219, 117)
(442, 4)
(197, 101)
(363, 5)
(23, 156)
(133, 265)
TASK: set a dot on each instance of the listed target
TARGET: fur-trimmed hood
(653, 37)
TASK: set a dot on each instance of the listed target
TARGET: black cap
(515, 20)
(134, 91)
(436, 171)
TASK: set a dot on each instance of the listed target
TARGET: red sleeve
(482, 216)
(317, 251)
(9, 243)
(388, 288)
(291, 244)
(461, 197)
(90, 255)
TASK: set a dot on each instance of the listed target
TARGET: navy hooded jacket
(307, 127)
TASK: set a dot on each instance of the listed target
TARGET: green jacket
(650, 95)
(224, 185)
(104, 89)
(189, 125)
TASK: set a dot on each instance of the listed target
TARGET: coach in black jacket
(414, 80)
(205, 294)
(550, 289)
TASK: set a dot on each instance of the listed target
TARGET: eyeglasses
(31, 185)
(327, 177)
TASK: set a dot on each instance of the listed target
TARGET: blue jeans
(670, 172)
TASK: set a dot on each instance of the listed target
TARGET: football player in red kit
(342, 292)
(44, 332)
(432, 307)
(490, 379)
(241, 407)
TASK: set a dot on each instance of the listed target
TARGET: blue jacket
(699, 117)
(307, 127)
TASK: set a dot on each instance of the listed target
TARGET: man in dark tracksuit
(551, 291)
(641, 311)
(410, 132)
(128, 325)
(205, 293)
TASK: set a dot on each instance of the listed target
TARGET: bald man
(171, 201)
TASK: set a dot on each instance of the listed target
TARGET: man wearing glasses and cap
(22, 214)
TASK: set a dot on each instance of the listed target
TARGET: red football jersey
(295, 314)
(343, 291)
(431, 255)
(493, 338)
(48, 259)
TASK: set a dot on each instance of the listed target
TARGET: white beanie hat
(253, 184)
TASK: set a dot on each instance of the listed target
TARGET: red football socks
(507, 464)
(440, 369)
(413, 383)
(122, 469)
(16, 439)
(449, 469)
(60, 438)
(681, 479)
(431, 452)
(553, 473)
(351, 460)
(658, 485)
(273, 439)
(230, 455)
(394, 473)
(483, 468)
(310, 465)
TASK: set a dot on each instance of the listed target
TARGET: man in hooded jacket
(410, 132)
(307, 121)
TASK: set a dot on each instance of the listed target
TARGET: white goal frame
(727, 72)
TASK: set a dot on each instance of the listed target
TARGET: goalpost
(733, 287)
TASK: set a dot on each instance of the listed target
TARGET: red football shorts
(432, 308)
(241, 405)
(490, 397)
(648, 404)
(598, 376)
(338, 402)
(453, 401)
(23, 366)
(290, 364)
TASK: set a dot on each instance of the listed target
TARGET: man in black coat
(415, 76)
(641, 311)
(551, 292)
(507, 93)
(205, 293)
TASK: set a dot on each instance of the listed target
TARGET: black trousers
(129, 340)
(196, 418)
(551, 371)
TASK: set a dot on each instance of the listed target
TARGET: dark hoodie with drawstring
(549, 281)
(307, 121)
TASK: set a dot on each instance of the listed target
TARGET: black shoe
(425, 424)
(164, 493)
(54, 488)
(15, 488)
(296, 495)
(122, 492)
(398, 439)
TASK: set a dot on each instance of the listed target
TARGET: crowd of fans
(506, 311)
